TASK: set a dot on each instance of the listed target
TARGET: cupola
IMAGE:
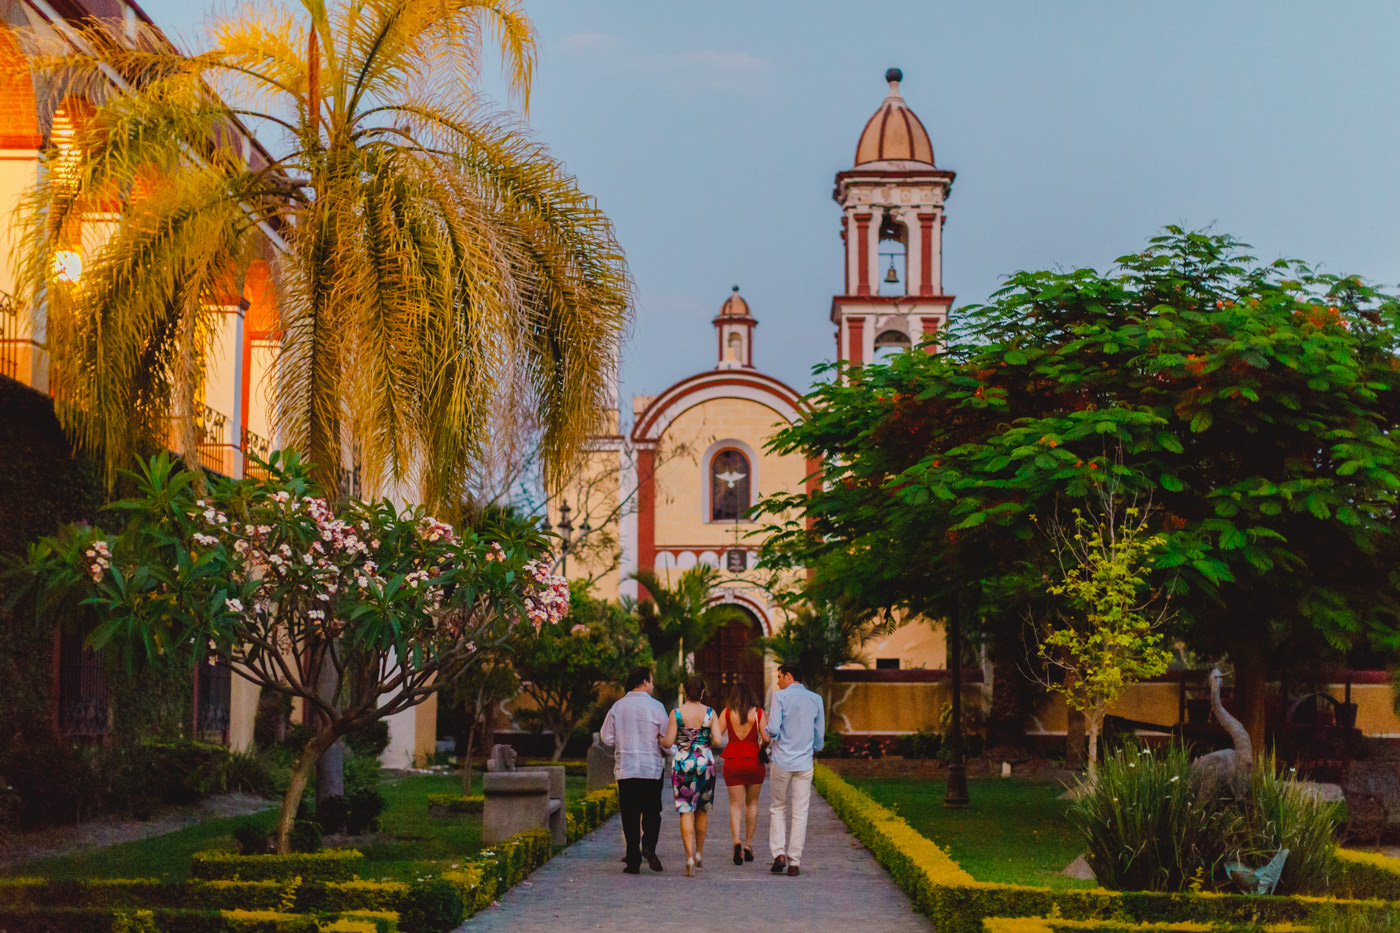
(894, 134)
(734, 332)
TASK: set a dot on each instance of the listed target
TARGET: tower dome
(734, 305)
(894, 133)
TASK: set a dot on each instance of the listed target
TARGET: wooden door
(732, 655)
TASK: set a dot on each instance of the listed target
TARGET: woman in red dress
(741, 725)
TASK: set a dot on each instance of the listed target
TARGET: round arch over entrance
(733, 654)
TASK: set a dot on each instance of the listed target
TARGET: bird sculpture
(730, 478)
(1229, 766)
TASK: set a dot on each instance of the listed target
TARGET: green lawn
(1014, 831)
(410, 845)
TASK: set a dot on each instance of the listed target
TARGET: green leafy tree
(563, 667)
(1255, 404)
(822, 637)
(386, 605)
(428, 257)
(678, 621)
(1103, 639)
(471, 701)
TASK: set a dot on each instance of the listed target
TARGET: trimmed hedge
(577, 769)
(957, 903)
(1056, 925)
(330, 865)
(445, 804)
(230, 893)
(1367, 875)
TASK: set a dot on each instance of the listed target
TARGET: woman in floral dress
(691, 730)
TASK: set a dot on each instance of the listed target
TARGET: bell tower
(892, 226)
(734, 330)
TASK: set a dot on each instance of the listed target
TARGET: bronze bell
(891, 276)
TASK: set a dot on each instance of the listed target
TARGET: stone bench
(521, 799)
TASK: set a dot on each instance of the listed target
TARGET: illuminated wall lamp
(67, 265)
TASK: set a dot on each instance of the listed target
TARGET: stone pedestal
(601, 759)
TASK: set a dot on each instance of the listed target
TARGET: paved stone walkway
(841, 887)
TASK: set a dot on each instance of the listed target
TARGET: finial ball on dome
(894, 74)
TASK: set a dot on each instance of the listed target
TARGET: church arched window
(729, 485)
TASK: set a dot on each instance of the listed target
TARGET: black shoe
(748, 854)
(792, 871)
(779, 865)
(632, 870)
(653, 861)
(738, 854)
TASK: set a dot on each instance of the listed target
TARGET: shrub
(249, 772)
(306, 837)
(444, 804)
(364, 808)
(925, 743)
(331, 814)
(252, 839)
(1146, 828)
(431, 906)
(369, 741)
(330, 865)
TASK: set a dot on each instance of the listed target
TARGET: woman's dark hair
(742, 699)
(637, 676)
(696, 689)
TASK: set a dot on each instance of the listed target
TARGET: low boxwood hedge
(444, 804)
(230, 893)
(957, 903)
(330, 865)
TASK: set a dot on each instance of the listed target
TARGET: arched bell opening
(894, 257)
(891, 343)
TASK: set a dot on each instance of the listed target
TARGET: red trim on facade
(894, 299)
(926, 253)
(863, 254)
(646, 422)
(646, 513)
(855, 340)
(739, 599)
(845, 223)
(930, 329)
(931, 173)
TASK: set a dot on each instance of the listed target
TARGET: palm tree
(678, 621)
(428, 257)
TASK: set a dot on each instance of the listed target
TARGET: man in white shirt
(797, 725)
(634, 728)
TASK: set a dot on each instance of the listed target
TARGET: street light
(566, 531)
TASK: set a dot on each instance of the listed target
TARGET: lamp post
(566, 531)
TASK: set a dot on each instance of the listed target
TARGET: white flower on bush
(234, 605)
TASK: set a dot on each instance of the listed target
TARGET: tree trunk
(1006, 720)
(330, 771)
(1076, 751)
(1094, 722)
(296, 786)
(467, 761)
(561, 738)
(1251, 690)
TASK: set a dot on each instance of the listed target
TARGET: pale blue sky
(710, 134)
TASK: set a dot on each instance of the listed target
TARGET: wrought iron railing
(10, 339)
(210, 439)
(259, 447)
(215, 699)
(82, 689)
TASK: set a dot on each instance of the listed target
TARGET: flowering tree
(359, 610)
(1103, 638)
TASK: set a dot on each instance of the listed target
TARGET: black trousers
(639, 800)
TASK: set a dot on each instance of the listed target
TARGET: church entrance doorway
(733, 654)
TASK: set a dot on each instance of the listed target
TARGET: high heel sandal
(699, 857)
(689, 867)
(748, 853)
(738, 854)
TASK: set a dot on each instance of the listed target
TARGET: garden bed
(957, 902)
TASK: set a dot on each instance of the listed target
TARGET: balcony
(17, 348)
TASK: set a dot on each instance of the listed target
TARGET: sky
(710, 134)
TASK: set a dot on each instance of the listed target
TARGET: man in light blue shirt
(797, 725)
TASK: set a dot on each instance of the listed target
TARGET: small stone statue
(1229, 766)
(1258, 880)
(502, 758)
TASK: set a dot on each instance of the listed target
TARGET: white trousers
(790, 794)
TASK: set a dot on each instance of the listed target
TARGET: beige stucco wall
(682, 481)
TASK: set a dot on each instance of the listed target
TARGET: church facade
(677, 484)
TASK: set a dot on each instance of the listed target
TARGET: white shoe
(697, 859)
(689, 867)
